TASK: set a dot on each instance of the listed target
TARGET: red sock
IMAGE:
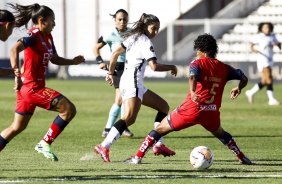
(232, 145)
(1, 147)
(52, 133)
(146, 145)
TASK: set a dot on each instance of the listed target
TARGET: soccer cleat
(245, 161)
(273, 103)
(127, 133)
(46, 150)
(104, 152)
(105, 133)
(133, 160)
(162, 150)
(250, 97)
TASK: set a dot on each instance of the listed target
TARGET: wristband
(110, 73)
(99, 59)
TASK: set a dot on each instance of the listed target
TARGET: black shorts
(118, 72)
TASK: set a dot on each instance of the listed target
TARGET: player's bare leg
(231, 144)
(131, 109)
(19, 124)
(151, 99)
(67, 112)
(268, 80)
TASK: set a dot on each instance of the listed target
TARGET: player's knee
(165, 107)
(70, 111)
(129, 120)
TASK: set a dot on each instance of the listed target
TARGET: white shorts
(264, 63)
(127, 93)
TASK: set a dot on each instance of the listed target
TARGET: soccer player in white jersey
(263, 44)
(139, 52)
(114, 38)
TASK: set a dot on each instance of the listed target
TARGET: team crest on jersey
(152, 49)
(192, 74)
(55, 101)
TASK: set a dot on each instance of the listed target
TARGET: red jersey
(39, 49)
(211, 76)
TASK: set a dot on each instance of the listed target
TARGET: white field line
(142, 177)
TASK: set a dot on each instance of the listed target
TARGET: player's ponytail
(32, 12)
(141, 25)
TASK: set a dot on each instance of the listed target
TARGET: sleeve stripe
(123, 46)
(150, 59)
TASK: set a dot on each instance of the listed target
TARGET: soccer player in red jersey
(208, 77)
(38, 48)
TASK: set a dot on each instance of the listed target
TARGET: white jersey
(264, 43)
(139, 51)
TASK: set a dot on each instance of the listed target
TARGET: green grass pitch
(257, 129)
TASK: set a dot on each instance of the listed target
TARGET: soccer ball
(201, 157)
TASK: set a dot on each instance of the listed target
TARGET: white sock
(270, 95)
(111, 138)
(160, 141)
(254, 90)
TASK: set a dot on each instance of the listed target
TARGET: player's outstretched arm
(155, 66)
(235, 92)
(57, 60)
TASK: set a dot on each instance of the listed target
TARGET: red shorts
(28, 98)
(180, 119)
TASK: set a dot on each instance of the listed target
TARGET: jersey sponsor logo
(146, 143)
(152, 49)
(211, 107)
(47, 56)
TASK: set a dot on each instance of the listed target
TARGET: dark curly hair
(206, 43)
(270, 25)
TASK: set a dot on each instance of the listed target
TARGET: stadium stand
(235, 44)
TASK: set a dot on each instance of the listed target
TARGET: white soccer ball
(201, 157)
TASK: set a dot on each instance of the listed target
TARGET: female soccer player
(7, 24)
(208, 77)
(139, 52)
(114, 39)
(263, 44)
(38, 49)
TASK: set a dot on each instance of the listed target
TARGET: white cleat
(273, 103)
(250, 97)
(133, 160)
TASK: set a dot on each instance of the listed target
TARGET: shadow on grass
(140, 176)
(210, 136)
